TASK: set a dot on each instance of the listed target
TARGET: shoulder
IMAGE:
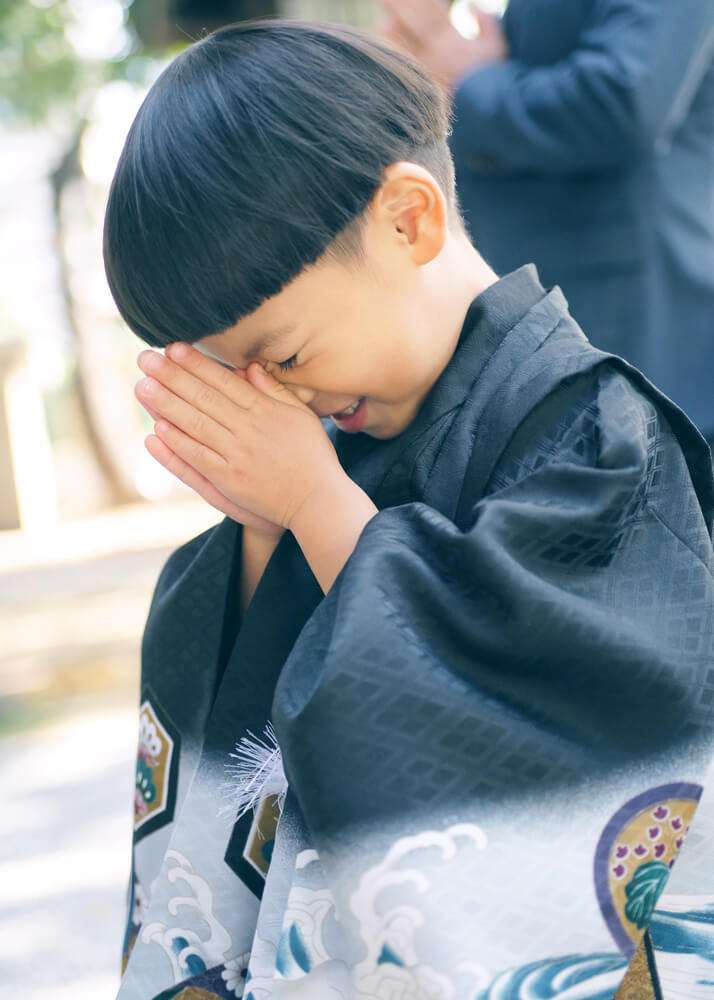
(604, 434)
(597, 472)
(599, 419)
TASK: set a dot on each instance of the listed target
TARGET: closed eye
(285, 365)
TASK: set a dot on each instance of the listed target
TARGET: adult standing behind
(584, 141)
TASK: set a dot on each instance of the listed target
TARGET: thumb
(267, 383)
(491, 35)
(489, 27)
(262, 379)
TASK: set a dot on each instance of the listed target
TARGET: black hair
(255, 152)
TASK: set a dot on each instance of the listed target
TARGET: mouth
(352, 418)
(348, 410)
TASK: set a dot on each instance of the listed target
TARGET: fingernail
(150, 360)
(177, 351)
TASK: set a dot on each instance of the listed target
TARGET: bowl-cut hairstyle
(254, 153)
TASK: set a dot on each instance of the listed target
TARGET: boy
(477, 609)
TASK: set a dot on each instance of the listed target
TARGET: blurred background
(87, 517)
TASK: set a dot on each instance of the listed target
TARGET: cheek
(395, 375)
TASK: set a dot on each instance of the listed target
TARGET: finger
(177, 467)
(183, 358)
(421, 18)
(204, 385)
(489, 27)
(207, 462)
(399, 30)
(193, 417)
(271, 386)
(152, 413)
(389, 30)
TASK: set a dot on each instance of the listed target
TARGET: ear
(412, 205)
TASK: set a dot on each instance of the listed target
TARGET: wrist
(264, 536)
(329, 497)
(328, 525)
(257, 550)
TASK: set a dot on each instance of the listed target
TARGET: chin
(395, 424)
(383, 434)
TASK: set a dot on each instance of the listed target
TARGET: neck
(469, 273)
(463, 274)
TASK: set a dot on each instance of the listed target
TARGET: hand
(240, 438)
(423, 28)
(191, 477)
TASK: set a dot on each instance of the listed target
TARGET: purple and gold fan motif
(636, 851)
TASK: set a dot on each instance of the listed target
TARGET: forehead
(252, 345)
(282, 322)
(209, 354)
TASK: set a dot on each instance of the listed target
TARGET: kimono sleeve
(628, 80)
(556, 604)
(489, 682)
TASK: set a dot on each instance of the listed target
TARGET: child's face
(369, 330)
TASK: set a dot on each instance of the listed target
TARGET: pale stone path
(72, 611)
(64, 848)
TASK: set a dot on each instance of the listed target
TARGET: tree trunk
(119, 487)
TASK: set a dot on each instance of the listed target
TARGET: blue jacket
(590, 152)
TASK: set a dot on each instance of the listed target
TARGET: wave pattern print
(391, 931)
(572, 977)
(189, 951)
(683, 934)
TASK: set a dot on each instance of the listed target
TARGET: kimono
(492, 732)
(682, 927)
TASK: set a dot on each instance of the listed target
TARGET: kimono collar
(488, 320)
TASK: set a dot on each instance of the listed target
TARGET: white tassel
(257, 773)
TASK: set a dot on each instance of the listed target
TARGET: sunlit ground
(64, 837)
(72, 611)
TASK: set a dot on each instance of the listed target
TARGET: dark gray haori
(495, 727)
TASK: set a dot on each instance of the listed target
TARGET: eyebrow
(266, 340)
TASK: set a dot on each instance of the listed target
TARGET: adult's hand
(423, 28)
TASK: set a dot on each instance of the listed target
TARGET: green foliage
(41, 73)
(44, 78)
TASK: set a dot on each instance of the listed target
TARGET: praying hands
(247, 445)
